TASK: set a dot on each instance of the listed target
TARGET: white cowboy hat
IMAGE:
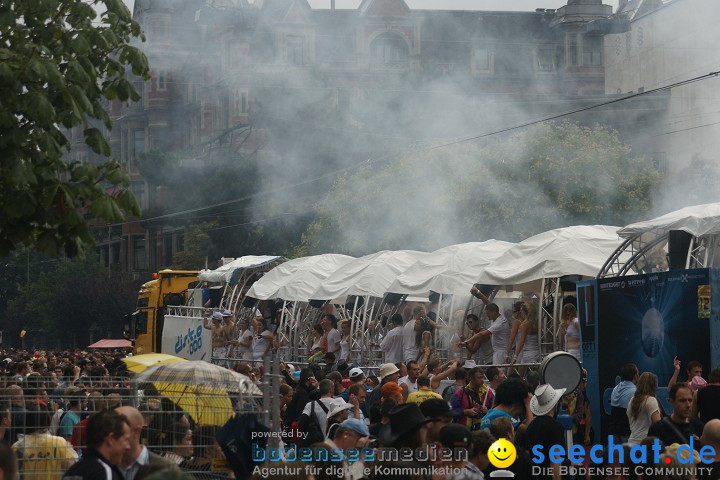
(469, 364)
(337, 406)
(545, 398)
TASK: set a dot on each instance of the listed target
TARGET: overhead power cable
(432, 147)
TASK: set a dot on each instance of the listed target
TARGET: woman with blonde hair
(517, 316)
(643, 409)
(345, 341)
(527, 349)
(571, 327)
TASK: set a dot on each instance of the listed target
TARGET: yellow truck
(145, 326)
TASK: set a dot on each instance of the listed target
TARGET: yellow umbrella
(206, 405)
(139, 363)
(201, 389)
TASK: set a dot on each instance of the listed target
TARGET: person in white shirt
(412, 326)
(329, 323)
(327, 390)
(243, 342)
(392, 344)
(643, 409)
(408, 383)
(262, 341)
(345, 342)
(498, 333)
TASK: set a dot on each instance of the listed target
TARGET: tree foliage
(61, 307)
(198, 247)
(550, 176)
(260, 224)
(59, 67)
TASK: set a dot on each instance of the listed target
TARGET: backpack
(449, 391)
(311, 426)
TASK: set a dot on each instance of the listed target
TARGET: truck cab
(168, 287)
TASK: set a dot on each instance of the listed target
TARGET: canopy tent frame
(645, 239)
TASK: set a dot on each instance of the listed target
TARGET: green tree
(198, 247)
(59, 66)
(62, 306)
(546, 177)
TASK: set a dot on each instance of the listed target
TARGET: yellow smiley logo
(502, 453)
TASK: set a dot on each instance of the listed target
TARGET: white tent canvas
(577, 250)
(449, 270)
(304, 283)
(697, 220)
(369, 275)
(297, 278)
(226, 273)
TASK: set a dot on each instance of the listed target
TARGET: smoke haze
(336, 112)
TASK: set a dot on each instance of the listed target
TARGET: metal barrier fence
(46, 423)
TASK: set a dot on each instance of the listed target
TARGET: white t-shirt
(392, 346)
(333, 339)
(410, 350)
(640, 425)
(411, 386)
(319, 412)
(345, 350)
(259, 344)
(246, 353)
(500, 330)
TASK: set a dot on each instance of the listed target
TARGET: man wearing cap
(544, 429)
(228, 331)
(424, 392)
(392, 344)
(218, 338)
(351, 434)
(388, 373)
(439, 414)
(356, 377)
(455, 436)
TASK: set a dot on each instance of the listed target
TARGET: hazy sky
(521, 5)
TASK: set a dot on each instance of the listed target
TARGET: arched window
(389, 48)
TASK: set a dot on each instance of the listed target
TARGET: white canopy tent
(538, 264)
(697, 220)
(370, 275)
(367, 280)
(448, 270)
(295, 280)
(648, 246)
(577, 250)
(238, 275)
(229, 273)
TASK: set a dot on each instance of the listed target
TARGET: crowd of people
(77, 415)
(402, 407)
